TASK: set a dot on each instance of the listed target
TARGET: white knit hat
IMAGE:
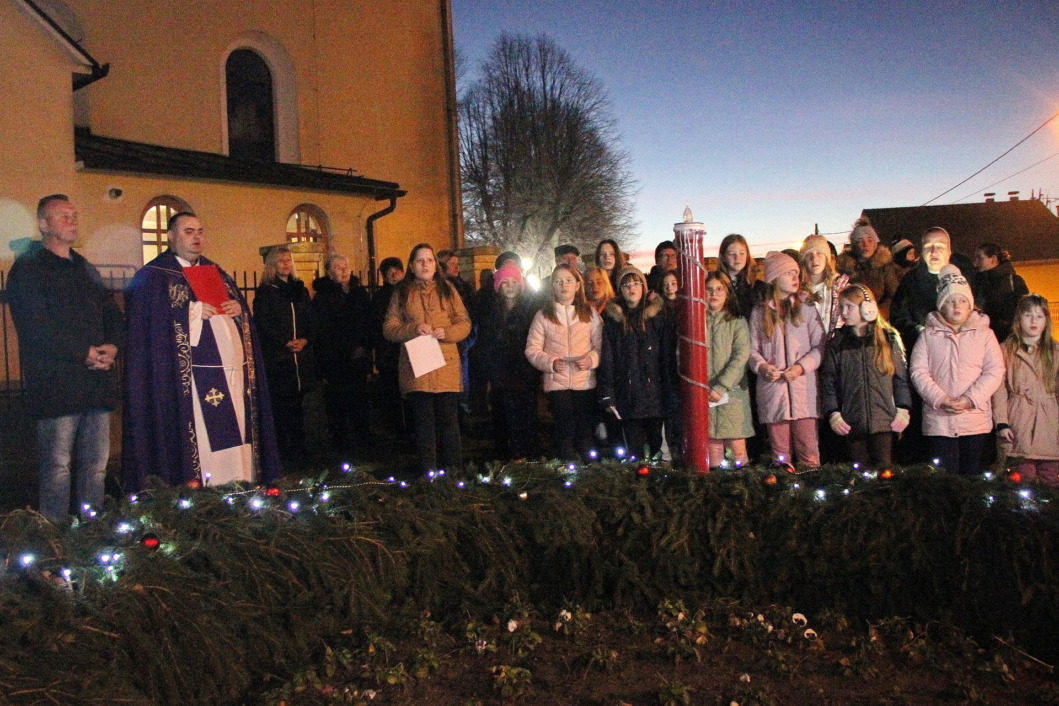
(951, 282)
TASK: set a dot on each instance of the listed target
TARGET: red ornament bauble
(770, 479)
(150, 541)
(1015, 477)
(789, 467)
(272, 491)
(886, 473)
(643, 471)
(194, 484)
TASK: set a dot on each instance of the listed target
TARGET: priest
(196, 400)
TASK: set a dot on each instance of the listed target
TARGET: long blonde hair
(883, 335)
(271, 258)
(1045, 352)
(581, 306)
(780, 308)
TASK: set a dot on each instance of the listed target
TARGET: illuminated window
(251, 120)
(307, 224)
(153, 224)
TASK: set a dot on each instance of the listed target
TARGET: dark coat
(343, 323)
(633, 375)
(502, 346)
(748, 294)
(878, 273)
(387, 353)
(917, 296)
(851, 384)
(283, 312)
(60, 309)
(997, 293)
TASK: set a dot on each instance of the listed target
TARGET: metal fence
(115, 278)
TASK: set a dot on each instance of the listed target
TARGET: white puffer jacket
(569, 339)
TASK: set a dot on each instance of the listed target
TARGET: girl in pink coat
(1026, 406)
(956, 367)
(786, 347)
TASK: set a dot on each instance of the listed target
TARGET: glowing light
(431, 474)
(293, 505)
(619, 452)
(346, 468)
(105, 558)
(856, 466)
(782, 458)
(67, 574)
(257, 503)
(523, 496)
(988, 475)
(27, 559)
(1025, 494)
(821, 494)
(441, 471)
(325, 496)
(506, 481)
(534, 282)
(123, 528)
(846, 491)
(391, 479)
(935, 462)
(403, 484)
(796, 486)
(593, 454)
(229, 499)
(724, 464)
(461, 484)
(207, 477)
(571, 468)
(184, 503)
(569, 484)
(133, 498)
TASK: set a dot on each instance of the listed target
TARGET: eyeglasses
(631, 285)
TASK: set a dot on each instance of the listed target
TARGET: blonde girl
(864, 391)
(786, 348)
(1026, 406)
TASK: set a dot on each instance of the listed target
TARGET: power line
(993, 162)
(976, 191)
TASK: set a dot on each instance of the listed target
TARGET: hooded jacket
(878, 273)
(783, 401)
(947, 363)
(633, 375)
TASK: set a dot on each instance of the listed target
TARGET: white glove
(838, 424)
(900, 420)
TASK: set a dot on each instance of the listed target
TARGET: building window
(307, 224)
(153, 224)
(251, 118)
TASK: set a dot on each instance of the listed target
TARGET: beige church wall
(36, 125)
(370, 81)
(238, 219)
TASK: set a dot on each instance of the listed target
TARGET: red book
(206, 283)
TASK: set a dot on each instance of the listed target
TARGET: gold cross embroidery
(214, 397)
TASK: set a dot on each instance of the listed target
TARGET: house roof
(1028, 230)
(113, 155)
(88, 70)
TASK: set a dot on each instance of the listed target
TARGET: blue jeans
(59, 440)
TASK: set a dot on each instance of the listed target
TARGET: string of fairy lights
(135, 529)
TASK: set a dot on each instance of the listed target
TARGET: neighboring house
(1027, 229)
(229, 109)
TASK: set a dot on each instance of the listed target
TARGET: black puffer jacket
(343, 323)
(502, 346)
(283, 312)
(997, 293)
(851, 384)
(633, 374)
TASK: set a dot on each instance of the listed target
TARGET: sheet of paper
(424, 353)
(723, 400)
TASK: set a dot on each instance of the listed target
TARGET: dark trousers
(574, 415)
(290, 423)
(643, 432)
(346, 404)
(437, 428)
(514, 422)
(961, 455)
(871, 450)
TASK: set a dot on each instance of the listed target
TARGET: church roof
(1027, 229)
(95, 152)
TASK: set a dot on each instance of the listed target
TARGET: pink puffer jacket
(783, 401)
(947, 363)
(570, 338)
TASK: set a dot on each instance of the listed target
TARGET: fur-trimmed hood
(846, 262)
(652, 308)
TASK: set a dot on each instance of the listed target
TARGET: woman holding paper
(564, 343)
(428, 317)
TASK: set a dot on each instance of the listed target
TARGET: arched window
(283, 113)
(308, 224)
(251, 118)
(153, 224)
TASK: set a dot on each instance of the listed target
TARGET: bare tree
(540, 158)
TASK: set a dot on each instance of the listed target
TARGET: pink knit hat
(777, 263)
(508, 271)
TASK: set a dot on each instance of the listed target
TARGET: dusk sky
(768, 118)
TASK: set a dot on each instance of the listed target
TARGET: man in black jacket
(69, 331)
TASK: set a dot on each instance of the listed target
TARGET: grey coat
(728, 354)
(851, 384)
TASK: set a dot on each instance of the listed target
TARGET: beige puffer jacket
(569, 339)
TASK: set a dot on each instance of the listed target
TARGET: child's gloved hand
(838, 424)
(900, 421)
